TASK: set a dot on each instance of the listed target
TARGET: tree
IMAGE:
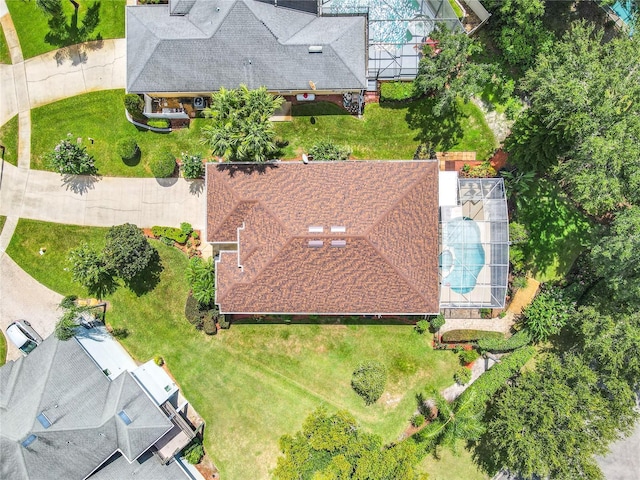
(89, 268)
(127, 251)
(70, 158)
(446, 72)
(67, 324)
(616, 258)
(201, 278)
(335, 447)
(454, 422)
(517, 184)
(369, 380)
(240, 129)
(547, 314)
(551, 422)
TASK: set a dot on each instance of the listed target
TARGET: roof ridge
(49, 370)
(342, 59)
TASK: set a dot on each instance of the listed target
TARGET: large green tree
(335, 447)
(127, 251)
(584, 115)
(446, 71)
(616, 259)
(90, 269)
(240, 129)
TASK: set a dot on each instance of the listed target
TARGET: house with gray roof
(62, 416)
(180, 52)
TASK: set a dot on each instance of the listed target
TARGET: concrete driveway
(623, 463)
(21, 297)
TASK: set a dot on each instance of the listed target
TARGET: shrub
(397, 91)
(194, 451)
(127, 148)
(192, 166)
(425, 151)
(134, 105)
(519, 282)
(209, 323)
(369, 380)
(417, 420)
(547, 314)
(69, 158)
(158, 360)
(484, 170)
(437, 322)
(175, 234)
(422, 326)
(462, 375)
(127, 251)
(158, 123)
(468, 335)
(517, 260)
(326, 150)
(519, 339)
(224, 323)
(518, 233)
(468, 356)
(192, 311)
(186, 228)
(164, 164)
(487, 384)
(201, 278)
(485, 313)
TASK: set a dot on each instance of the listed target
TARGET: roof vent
(44, 421)
(124, 417)
(315, 48)
(338, 229)
(29, 440)
(316, 229)
(338, 243)
(316, 243)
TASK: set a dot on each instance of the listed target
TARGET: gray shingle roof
(225, 43)
(60, 380)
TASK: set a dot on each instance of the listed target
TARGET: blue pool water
(463, 256)
(624, 10)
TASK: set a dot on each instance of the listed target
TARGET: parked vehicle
(23, 336)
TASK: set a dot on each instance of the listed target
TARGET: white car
(23, 336)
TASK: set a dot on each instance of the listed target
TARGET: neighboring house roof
(59, 380)
(225, 43)
(389, 261)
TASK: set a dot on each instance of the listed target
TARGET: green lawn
(451, 467)
(100, 115)
(2, 220)
(34, 33)
(558, 232)
(387, 131)
(9, 138)
(5, 57)
(254, 382)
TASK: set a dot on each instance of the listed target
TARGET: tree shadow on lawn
(148, 279)
(557, 230)
(62, 33)
(444, 132)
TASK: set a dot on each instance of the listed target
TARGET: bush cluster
(175, 234)
(194, 451)
(437, 322)
(159, 123)
(462, 375)
(468, 356)
(209, 323)
(127, 148)
(327, 151)
(417, 420)
(469, 335)
(422, 326)
(487, 384)
(369, 380)
(519, 339)
(163, 164)
(192, 166)
(397, 91)
(134, 105)
(69, 158)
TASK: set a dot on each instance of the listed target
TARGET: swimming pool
(462, 255)
(624, 10)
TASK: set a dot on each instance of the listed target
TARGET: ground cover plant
(91, 112)
(9, 138)
(35, 34)
(387, 131)
(5, 57)
(254, 382)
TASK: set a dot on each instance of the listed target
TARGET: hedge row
(487, 384)
(469, 335)
(396, 91)
(175, 234)
(519, 339)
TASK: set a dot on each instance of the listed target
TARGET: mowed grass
(3, 219)
(32, 24)
(558, 231)
(450, 466)
(387, 131)
(5, 56)
(9, 138)
(253, 382)
(100, 115)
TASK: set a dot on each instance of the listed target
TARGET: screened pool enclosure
(474, 245)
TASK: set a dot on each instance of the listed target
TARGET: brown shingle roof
(389, 211)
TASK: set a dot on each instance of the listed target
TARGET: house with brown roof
(325, 237)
